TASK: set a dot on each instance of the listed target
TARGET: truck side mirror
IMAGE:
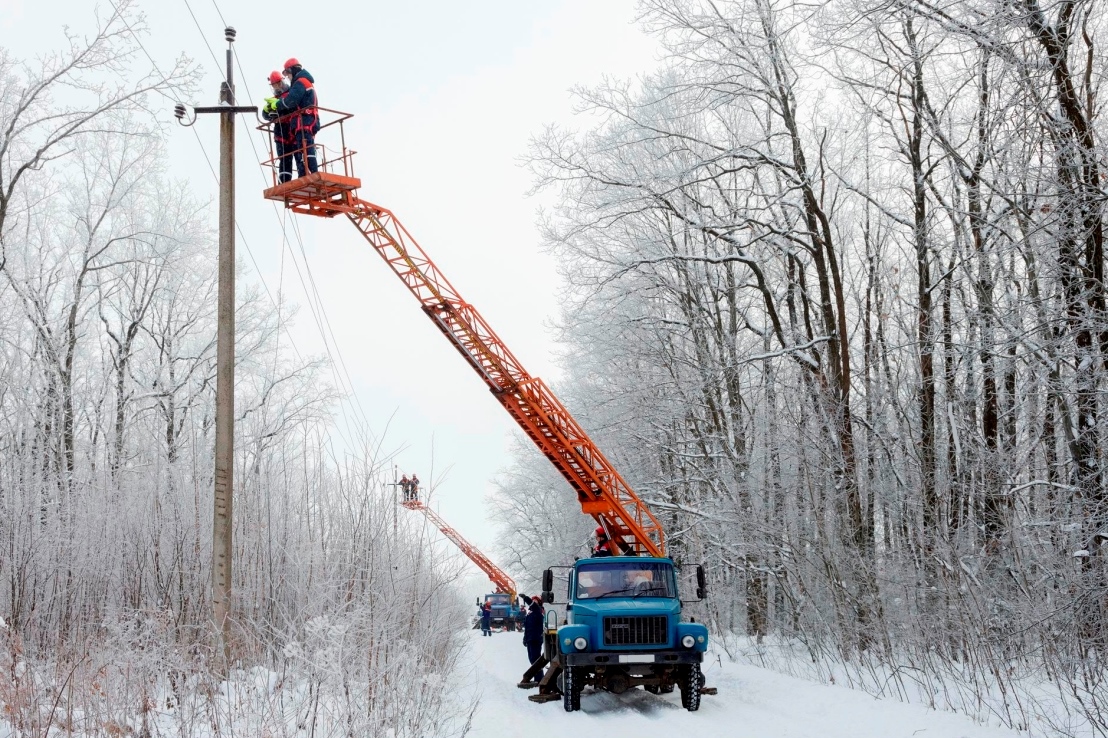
(701, 582)
(548, 585)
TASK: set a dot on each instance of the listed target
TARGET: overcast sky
(446, 95)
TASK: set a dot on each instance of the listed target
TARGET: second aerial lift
(503, 600)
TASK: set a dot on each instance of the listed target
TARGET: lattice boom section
(477, 342)
(504, 583)
(601, 491)
(600, 488)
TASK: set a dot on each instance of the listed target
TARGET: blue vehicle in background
(624, 629)
(504, 608)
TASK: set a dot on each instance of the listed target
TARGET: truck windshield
(497, 599)
(625, 579)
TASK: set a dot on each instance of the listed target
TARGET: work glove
(270, 105)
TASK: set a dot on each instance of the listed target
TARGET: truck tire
(690, 688)
(571, 690)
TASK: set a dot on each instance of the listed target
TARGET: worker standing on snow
(532, 633)
(283, 138)
(301, 98)
(486, 620)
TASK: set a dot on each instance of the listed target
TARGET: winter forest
(834, 304)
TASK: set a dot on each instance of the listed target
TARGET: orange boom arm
(504, 583)
(601, 491)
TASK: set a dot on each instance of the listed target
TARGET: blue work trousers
(284, 161)
(534, 650)
(305, 150)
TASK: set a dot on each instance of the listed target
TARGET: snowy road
(752, 703)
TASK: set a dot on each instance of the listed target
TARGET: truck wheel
(571, 690)
(690, 688)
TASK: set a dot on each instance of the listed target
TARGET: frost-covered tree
(342, 620)
(835, 278)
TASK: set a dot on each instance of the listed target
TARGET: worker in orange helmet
(301, 99)
(603, 543)
(283, 137)
(486, 619)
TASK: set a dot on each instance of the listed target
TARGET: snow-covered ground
(751, 702)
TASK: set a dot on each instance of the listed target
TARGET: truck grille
(645, 630)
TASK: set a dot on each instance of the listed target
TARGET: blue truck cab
(624, 628)
(504, 609)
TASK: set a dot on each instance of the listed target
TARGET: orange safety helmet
(292, 62)
(275, 78)
(600, 531)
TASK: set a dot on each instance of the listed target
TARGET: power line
(220, 14)
(135, 36)
(323, 309)
(205, 38)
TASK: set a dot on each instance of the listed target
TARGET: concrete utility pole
(222, 520)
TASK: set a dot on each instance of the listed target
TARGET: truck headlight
(580, 643)
(688, 641)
